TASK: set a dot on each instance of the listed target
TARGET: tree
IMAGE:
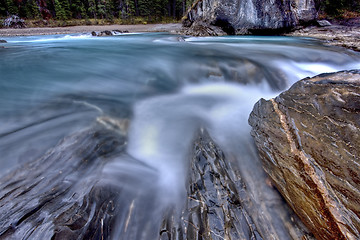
(31, 10)
(335, 7)
(77, 9)
(153, 10)
(11, 7)
(101, 8)
(92, 9)
(62, 9)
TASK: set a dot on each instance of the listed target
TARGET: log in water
(144, 136)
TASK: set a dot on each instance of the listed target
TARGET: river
(165, 87)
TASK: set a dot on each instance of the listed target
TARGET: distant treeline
(153, 10)
(338, 7)
(98, 9)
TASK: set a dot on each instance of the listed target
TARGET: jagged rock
(51, 198)
(220, 205)
(323, 23)
(107, 33)
(66, 194)
(14, 22)
(308, 139)
(251, 16)
(202, 29)
(3, 41)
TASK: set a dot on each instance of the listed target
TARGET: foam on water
(50, 38)
(163, 128)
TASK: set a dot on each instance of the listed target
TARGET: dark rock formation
(250, 16)
(60, 204)
(107, 33)
(14, 22)
(66, 195)
(220, 205)
(308, 141)
(3, 41)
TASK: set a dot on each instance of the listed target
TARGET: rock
(308, 138)
(108, 33)
(47, 198)
(14, 22)
(334, 35)
(251, 16)
(65, 194)
(323, 23)
(202, 29)
(3, 41)
(220, 205)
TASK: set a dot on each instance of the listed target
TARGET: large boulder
(308, 139)
(251, 16)
(14, 22)
(221, 205)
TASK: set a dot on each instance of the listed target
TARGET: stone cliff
(248, 16)
(307, 139)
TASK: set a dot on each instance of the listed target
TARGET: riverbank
(342, 35)
(170, 27)
(337, 34)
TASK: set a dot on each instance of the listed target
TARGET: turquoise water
(167, 86)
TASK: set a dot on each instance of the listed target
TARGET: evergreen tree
(31, 10)
(77, 9)
(2, 8)
(101, 8)
(92, 9)
(11, 7)
(62, 10)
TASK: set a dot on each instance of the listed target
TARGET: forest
(151, 10)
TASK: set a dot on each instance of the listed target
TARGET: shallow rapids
(156, 90)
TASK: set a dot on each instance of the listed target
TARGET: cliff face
(308, 141)
(251, 16)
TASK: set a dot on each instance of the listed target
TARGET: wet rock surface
(108, 33)
(61, 196)
(221, 205)
(202, 29)
(63, 204)
(249, 16)
(307, 139)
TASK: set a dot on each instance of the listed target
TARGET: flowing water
(166, 86)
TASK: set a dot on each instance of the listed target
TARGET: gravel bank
(6, 32)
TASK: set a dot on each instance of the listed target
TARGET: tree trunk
(137, 13)
(174, 9)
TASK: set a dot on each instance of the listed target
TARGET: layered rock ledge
(308, 138)
(342, 34)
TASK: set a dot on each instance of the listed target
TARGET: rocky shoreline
(337, 34)
(10, 32)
